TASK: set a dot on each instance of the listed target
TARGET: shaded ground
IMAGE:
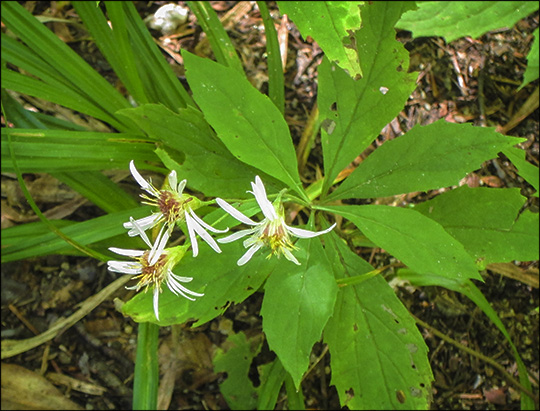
(92, 362)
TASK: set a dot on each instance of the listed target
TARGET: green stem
(146, 379)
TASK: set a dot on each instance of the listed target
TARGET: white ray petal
(202, 232)
(234, 212)
(144, 223)
(192, 234)
(260, 195)
(137, 228)
(126, 252)
(249, 253)
(181, 186)
(204, 224)
(124, 267)
(173, 179)
(180, 278)
(159, 246)
(235, 236)
(145, 185)
(301, 233)
(156, 302)
(174, 285)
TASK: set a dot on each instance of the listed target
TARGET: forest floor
(92, 363)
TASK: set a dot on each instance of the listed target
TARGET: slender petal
(236, 236)
(180, 278)
(234, 212)
(145, 185)
(192, 235)
(201, 231)
(301, 233)
(124, 267)
(129, 253)
(181, 186)
(173, 179)
(140, 231)
(156, 301)
(249, 253)
(159, 246)
(205, 225)
(173, 281)
(144, 223)
(260, 195)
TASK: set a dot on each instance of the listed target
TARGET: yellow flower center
(151, 274)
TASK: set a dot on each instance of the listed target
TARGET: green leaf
(60, 150)
(236, 360)
(208, 166)
(354, 112)
(419, 242)
(485, 220)
(247, 122)
(379, 358)
(217, 275)
(217, 36)
(272, 376)
(467, 288)
(329, 23)
(425, 158)
(455, 19)
(298, 301)
(533, 66)
(526, 170)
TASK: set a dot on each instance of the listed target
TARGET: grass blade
(217, 36)
(276, 82)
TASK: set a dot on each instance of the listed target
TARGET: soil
(92, 362)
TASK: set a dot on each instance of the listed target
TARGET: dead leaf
(23, 389)
(495, 396)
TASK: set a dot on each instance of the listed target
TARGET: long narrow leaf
(85, 233)
(156, 75)
(217, 36)
(99, 189)
(59, 150)
(65, 61)
(276, 82)
(63, 96)
(114, 43)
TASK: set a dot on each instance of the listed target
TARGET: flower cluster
(154, 267)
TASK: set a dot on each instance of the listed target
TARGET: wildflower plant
(223, 136)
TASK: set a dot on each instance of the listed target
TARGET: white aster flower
(271, 231)
(173, 206)
(153, 267)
